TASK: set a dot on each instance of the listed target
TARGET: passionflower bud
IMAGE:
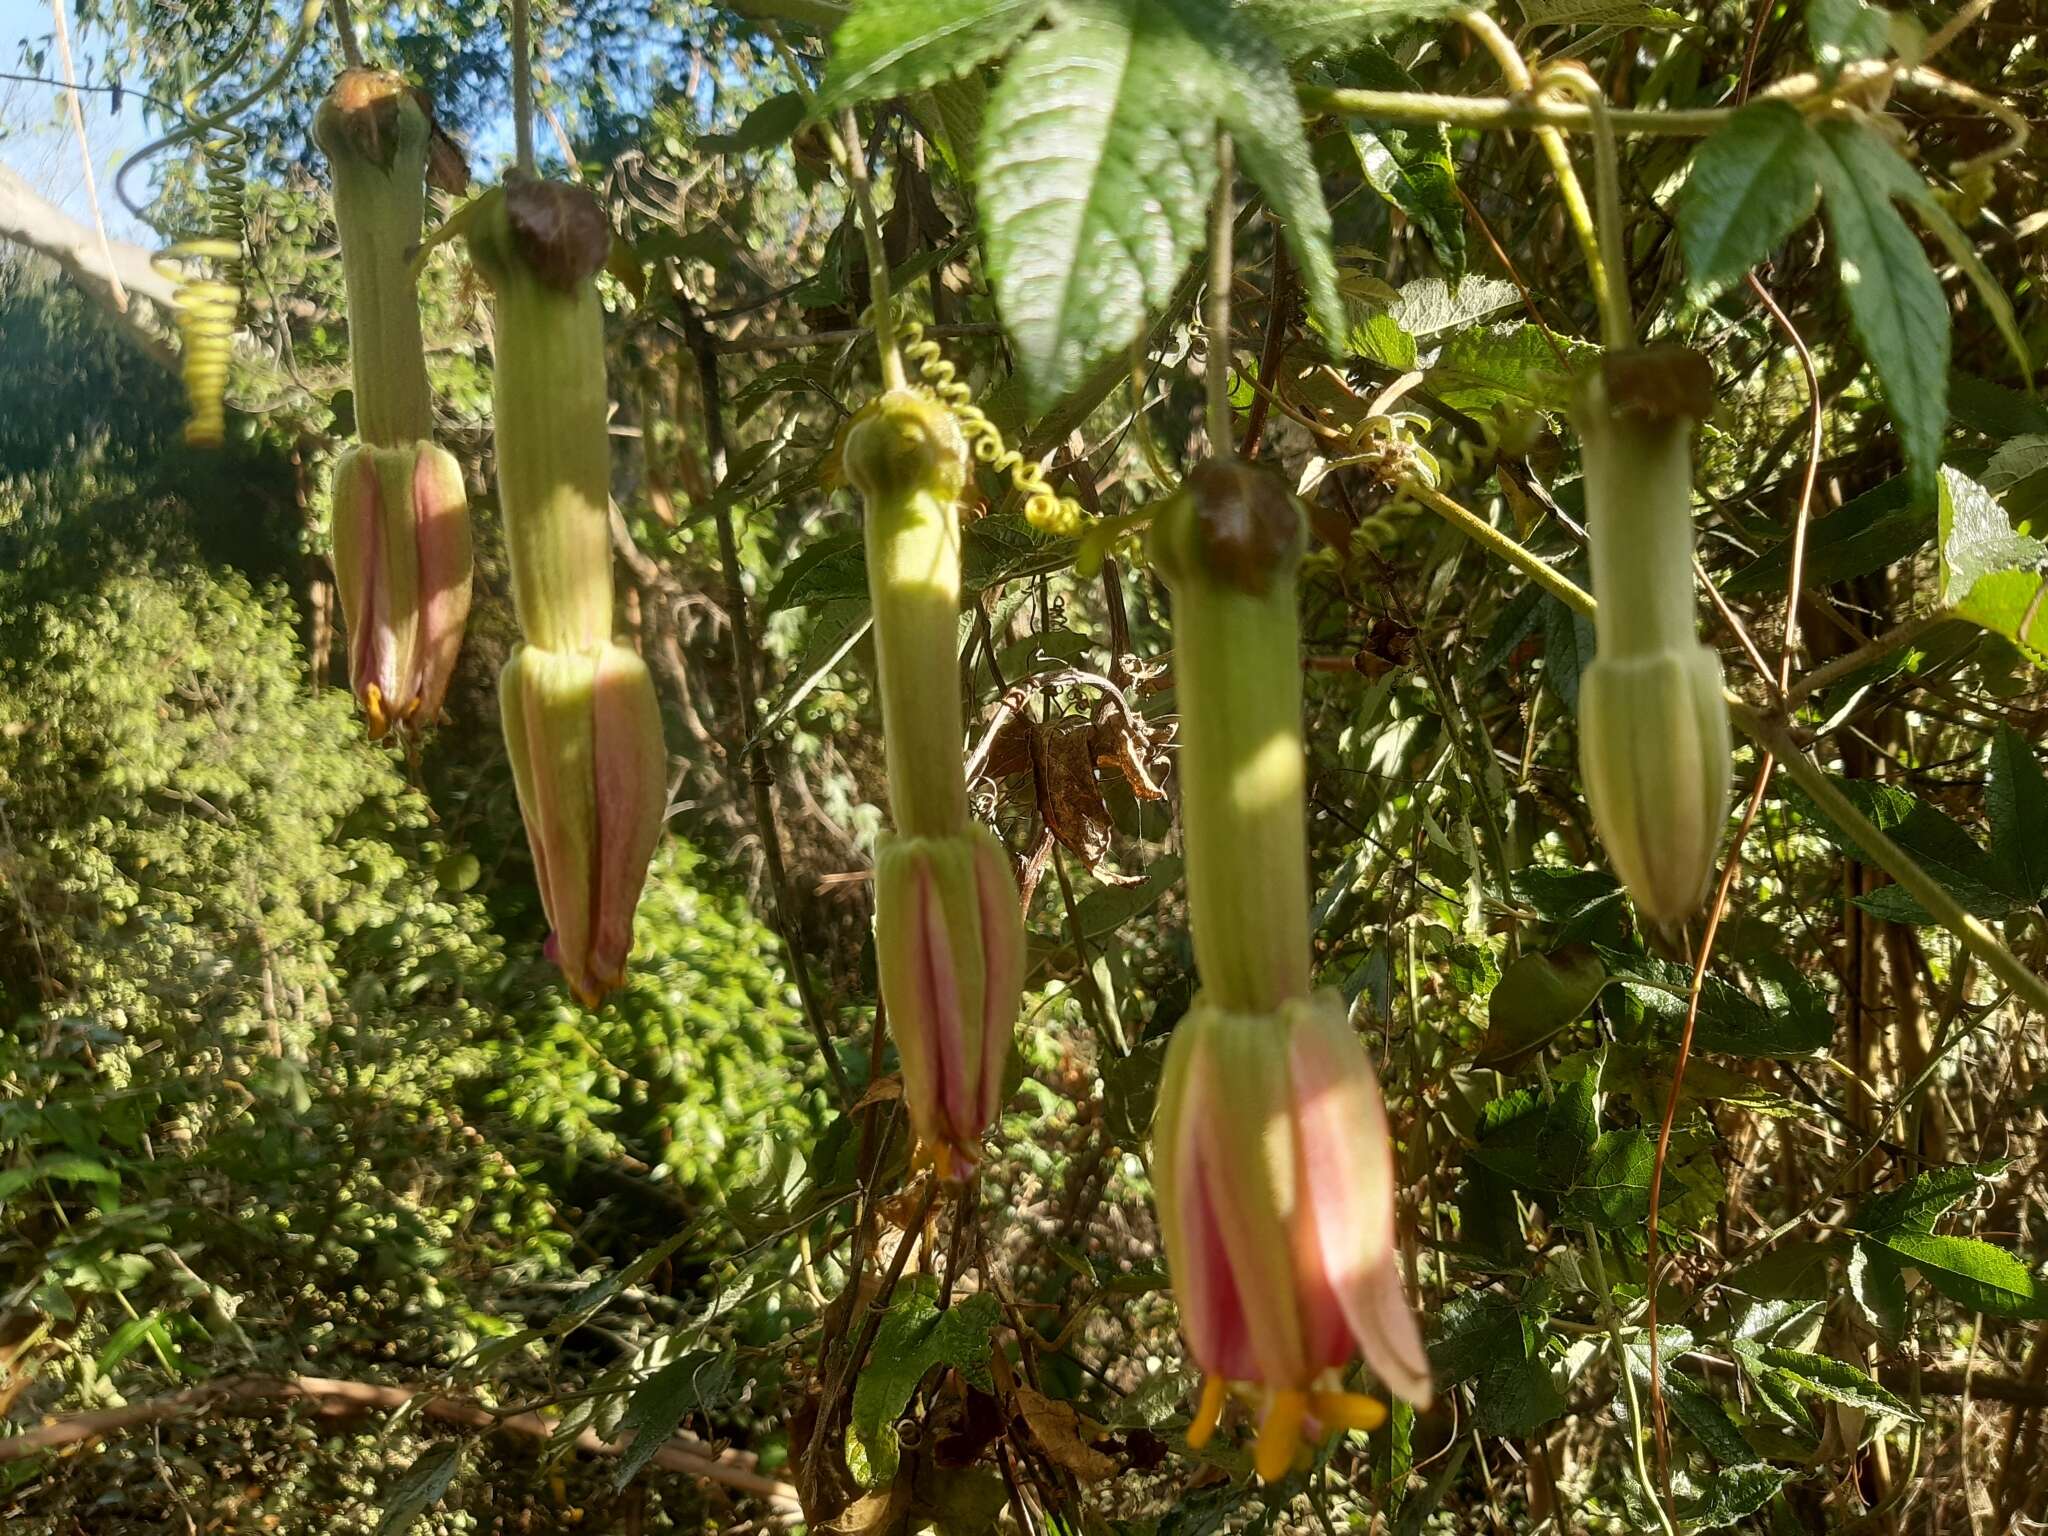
(1653, 726)
(402, 564)
(584, 732)
(949, 946)
(1275, 1184)
(1654, 752)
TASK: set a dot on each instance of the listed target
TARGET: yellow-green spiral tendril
(1044, 508)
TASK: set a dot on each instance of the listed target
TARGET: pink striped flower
(1275, 1182)
(402, 564)
(584, 732)
(949, 946)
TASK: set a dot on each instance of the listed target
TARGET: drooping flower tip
(583, 729)
(949, 947)
(1654, 750)
(1274, 1175)
(402, 567)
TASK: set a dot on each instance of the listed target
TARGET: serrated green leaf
(1732, 1494)
(914, 1337)
(1895, 300)
(1097, 161)
(1513, 364)
(2017, 459)
(1937, 844)
(772, 122)
(1537, 996)
(1864, 534)
(1878, 164)
(1259, 109)
(420, 1487)
(1878, 1288)
(2016, 801)
(687, 1384)
(1612, 1192)
(1923, 1199)
(1990, 574)
(1792, 1018)
(1409, 165)
(1516, 1398)
(1751, 184)
(829, 570)
(1568, 641)
(1474, 1330)
(894, 47)
(1598, 13)
(1845, 32)
(1979, 1275)
(1837, 1381)
(1299, 29)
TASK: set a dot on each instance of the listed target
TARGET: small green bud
(1654, 750)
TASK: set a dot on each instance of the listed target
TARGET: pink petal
(441, 517)
(1002, 952)
(630, 771)
(1347, 1190)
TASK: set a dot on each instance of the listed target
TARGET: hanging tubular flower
(1270, 1148)
(402, 566)
(1654, 746)
(584, 732)
(1275, 1184)
(949, 930)
(949, 946)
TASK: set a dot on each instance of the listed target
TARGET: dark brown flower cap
(558, 230)
(1240, 525)
(1661, 383)
(368, 114)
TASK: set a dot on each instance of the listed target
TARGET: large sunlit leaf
(1097, 161)
(1991, 574)
(1979, 1275)
(894, 47)
(1894, 298)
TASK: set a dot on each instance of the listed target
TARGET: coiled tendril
(208, 303)
(207, 300)
(1044, 508)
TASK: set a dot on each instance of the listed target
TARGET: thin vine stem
(1771, 733)
(1216, 310)
(345, 33)
(842, 143)
(522, 85)
(1612, 1318)
(1617, 322)
(1516, 72)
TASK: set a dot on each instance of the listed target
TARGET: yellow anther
(1207, 1412)
(1279, 1435)
(1347, 1410)
(373, 706)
